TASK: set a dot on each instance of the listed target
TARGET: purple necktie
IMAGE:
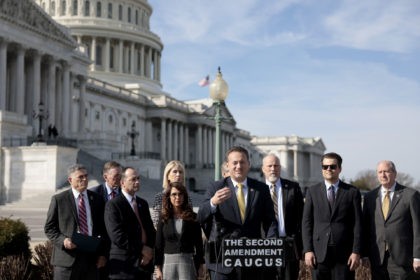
(331, 196)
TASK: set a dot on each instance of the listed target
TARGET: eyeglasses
(178, 194)
(330, 166)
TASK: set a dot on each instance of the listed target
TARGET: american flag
(204, 81)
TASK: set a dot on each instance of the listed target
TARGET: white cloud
(376, 25)
(287, 75)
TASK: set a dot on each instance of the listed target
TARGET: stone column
(33, 88)
(199, 146)
(170, 141)
(155, 65)
(75, 104)
(20, 81)
(181, 142)
(51, 94)
(82, 104)
(58, 9)
(69, 5)
(205, 145)
(132, 59)
(93, 54)
(148, 62)
(80, 7)
(295, 164)
(142, 60)
(176, 142)
(66, 98)
(3, 74)
(187, 146)
(163, 140)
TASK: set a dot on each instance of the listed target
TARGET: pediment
(27, 14)
(224, 111)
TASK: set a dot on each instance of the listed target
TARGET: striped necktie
(275, 200)
(83, 226)
(241, 201)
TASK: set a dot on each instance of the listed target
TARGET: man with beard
(288, 207)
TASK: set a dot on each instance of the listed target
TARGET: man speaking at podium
(236, 207)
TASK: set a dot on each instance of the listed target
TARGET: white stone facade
(96, 68)
(300, 158)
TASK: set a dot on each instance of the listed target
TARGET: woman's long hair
(187, 213)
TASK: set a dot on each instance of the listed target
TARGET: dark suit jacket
(344, 221)
(292, 211)
(62, 222)
(227, 220)
(168, 241)
(125, 233)
(401, 229)
(101, 190)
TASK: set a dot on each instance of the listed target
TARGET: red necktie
(136, 211)
(83, 226)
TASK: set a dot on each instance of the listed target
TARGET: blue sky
(346, 71)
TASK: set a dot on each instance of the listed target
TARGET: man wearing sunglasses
(331, 224)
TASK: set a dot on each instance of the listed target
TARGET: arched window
(137, 17)
(98, 9)
(87, 8)
(109, 10)
(63, 7)
(74, 8)
(120, 12)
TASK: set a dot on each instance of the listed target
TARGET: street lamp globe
(219, 88)
(218, 92)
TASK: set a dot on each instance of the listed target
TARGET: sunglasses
(330, 166)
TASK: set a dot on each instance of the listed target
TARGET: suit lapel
(250, 199)
(92, 209)
(378, 205)
(395, 199)
(285, 192)
(341, 192)
(73, 205)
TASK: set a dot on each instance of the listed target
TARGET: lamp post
(133, 134)
(218, 92)
(41, 115)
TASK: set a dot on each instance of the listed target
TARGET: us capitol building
(80, 81)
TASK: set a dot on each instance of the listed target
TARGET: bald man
(288, 203)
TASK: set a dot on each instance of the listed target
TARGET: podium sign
(253, 252)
